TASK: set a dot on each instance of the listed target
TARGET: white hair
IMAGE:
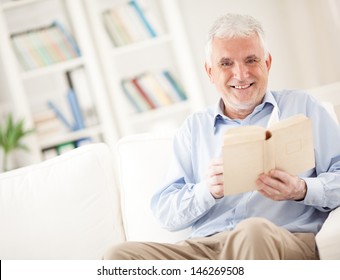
(234, 26)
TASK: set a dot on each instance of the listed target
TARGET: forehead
(237, 47)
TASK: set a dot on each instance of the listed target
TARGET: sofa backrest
(143, 160)
(64, 208)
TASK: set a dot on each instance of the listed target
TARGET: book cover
(121, 29)
(136, 84)
(75, 109)
(175, 85)
(143, 18)
(111, 29)
(52, 46)
(249, 151)
(78, 81)
(151, 84)
(71, 43)
(24, 58)
(133, 96)
(60, 115)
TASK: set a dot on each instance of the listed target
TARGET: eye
(252, 60)
(225, 63)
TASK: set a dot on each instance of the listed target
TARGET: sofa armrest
(328, 238)
(64, 208)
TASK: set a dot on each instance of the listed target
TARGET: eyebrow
(253, 56)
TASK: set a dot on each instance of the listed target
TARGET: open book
(249, 151)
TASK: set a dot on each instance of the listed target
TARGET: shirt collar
(219, 107)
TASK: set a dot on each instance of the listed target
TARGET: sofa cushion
(64, 208)
(328, 238)
(143, 160)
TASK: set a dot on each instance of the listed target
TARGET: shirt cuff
(204, 196)
(315, 195)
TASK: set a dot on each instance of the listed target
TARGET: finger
(216, 180)
(280, 175)
(217, 161)
(271, 182)
(215, 170)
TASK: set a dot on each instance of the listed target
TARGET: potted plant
(11, 134)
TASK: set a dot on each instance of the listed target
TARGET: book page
(243, 134)
(294, 148)
(243, 153)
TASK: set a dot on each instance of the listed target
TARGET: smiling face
(239, 69)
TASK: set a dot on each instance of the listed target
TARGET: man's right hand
(215, 178)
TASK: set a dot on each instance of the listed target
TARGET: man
(281, 218)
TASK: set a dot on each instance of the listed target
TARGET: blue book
(59, 115)
(75, 109)
(176, 86)
(138, 9)
(69, 38)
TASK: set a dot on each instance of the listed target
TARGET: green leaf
(11, 134)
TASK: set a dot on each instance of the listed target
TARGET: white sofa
(71, 207)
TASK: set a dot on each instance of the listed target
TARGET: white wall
(303, 37)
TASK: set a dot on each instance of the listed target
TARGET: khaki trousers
(252, 239)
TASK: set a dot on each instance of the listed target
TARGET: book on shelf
(130, 22)
(60, 115)
(46, 124)
(75, 109)
(154, 90)
(71, 43)
(77, 120)
(77, 80)
(151, 90)
(44, 46)
(249, 151)
(66, 146)
(176, 86)
(143, 17)
(143, 93)
(134, 97)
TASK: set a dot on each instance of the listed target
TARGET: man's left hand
(279, 185)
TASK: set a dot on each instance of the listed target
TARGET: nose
(240, 71)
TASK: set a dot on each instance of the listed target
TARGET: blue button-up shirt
(184, 200)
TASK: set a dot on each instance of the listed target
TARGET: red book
(143, 93)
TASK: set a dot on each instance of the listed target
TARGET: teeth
(242, 87)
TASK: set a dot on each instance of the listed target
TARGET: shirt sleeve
(323, 189)
(181, 201)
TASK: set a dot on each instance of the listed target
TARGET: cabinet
(32, 87)
(122, 62)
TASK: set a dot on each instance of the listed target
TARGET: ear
(208, 69)
(269, 61)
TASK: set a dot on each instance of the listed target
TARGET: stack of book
(130, 22)
(151, 90)
(65, 147)
(72, 111)
(44, 46)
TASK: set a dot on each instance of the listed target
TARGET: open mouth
(242, 86)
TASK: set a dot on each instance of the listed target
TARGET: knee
(255, 228)
(122, 251)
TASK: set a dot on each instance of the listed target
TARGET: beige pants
(252, 239)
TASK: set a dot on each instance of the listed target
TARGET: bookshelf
(31, 86)
(125, 60)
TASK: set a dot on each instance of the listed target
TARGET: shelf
(15, 4)
(72, 136)
(29, 90)
(162, 112)
(162, 39)
(54, 68)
